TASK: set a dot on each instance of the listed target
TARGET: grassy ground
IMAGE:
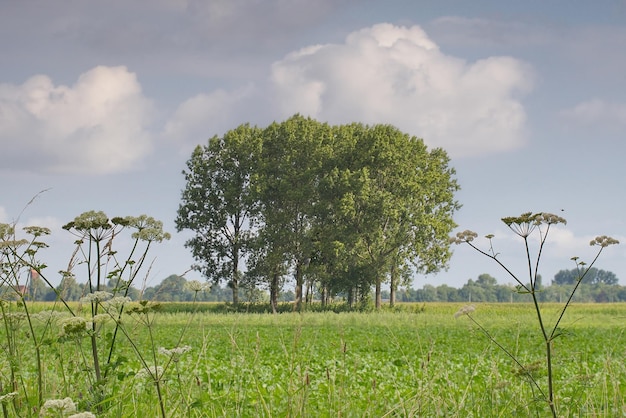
(398, 364)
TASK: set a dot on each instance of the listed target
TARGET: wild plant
(109, 278)
(18, 256)
(525, 226)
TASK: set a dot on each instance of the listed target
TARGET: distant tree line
(598, 286)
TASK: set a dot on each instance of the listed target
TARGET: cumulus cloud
(398, 75)
(207, 114)
(98, 125)
(597, 111)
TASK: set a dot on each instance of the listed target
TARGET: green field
(396, 364)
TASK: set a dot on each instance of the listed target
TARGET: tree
(217, 204)
(594, 276)
(395, 201)
(290, 167)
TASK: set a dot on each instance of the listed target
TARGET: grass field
(395, 364)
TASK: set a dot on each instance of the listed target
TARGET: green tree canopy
(349, 206)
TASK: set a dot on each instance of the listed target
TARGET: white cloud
(207, 114)
(597, 111)
(98, 125)
(397, 75)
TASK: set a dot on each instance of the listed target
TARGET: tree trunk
(299, 283)
(350, 297)
(234, 281)
(393, 284)
(378, 294)
(274, 292)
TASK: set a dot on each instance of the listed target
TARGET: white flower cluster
(74, 326)
(174, 353)
(98, 296)
(153, 373)
(54, 407)
(48, 316)
(603, 241)
(117, 302)
(7, 397)
(465, 310)
(197, 286)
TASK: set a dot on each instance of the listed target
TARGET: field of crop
(396, 364)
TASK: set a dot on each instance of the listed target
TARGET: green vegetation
(526, 226)
(348, 364)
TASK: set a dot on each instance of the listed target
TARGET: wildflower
(48, 316)
(148, 228)
(97, 296)
(465, 236)
(7, 397)
(175, 353)
(153, 373)
(197, 286)
(603, 241)
(465, 310)
(55, 407)
(37, 231)
(82, 415)
(117, 302)
(6, 231)
(89, 220)
(73, 326)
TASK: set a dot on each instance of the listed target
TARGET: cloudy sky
(101, 104)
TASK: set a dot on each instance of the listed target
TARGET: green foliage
(343, 208)
(217, 204)
(345, 364)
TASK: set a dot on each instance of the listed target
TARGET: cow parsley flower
(197, 286)
(174, 353)
(97, 296)
(7, 397)
(82, 415)
(152, 374)
(465, 310)
(56, 407)
(603, 241)
(73, 326)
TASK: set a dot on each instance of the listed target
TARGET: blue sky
(102, 103)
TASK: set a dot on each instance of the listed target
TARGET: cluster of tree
(597, 286)
(339, 208)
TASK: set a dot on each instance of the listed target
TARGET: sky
(102, 103)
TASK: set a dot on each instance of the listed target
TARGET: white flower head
(97, 296)
(82, 415)
(7, 397)
(54, 407)
(117, 302)
(73, 326)
(197, 286)
(174, 353)
(465, 310)
(152, 374)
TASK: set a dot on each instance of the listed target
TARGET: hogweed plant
(525, 226)
(108, 276)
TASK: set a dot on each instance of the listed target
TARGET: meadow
(414, 361)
